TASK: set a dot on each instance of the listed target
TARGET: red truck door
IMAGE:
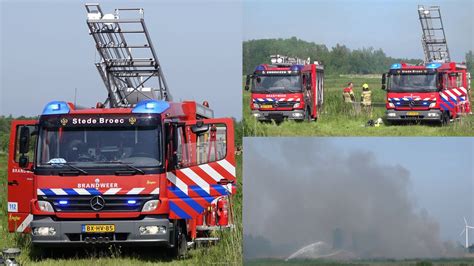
(20, 180)
(205, 166)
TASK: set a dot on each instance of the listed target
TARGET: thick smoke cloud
(300, 191)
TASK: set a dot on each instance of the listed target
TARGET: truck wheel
(445, 119)
(180, 248)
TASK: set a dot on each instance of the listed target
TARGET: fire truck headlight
(152, 230)
(45, 206)
(296, 105)
(391, 114)
(256, 105)
(44, 231)
(433, 104)
(256, 115)
(391, 105)
(150, 205)
(433, 114)
(298, 115)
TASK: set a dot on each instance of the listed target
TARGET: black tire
(445, 119)
(180, 248)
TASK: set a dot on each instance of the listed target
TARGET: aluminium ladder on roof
(128, 66)
(434, 39)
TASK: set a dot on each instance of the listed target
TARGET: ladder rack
(128, 65)
(434, 39)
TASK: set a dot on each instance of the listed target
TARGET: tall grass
(341, 119)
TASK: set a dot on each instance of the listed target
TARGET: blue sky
(46, 52)
(390, 25)
(441, 170)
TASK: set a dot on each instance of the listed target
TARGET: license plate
(266, 106)
(98, 228)
(413, 113)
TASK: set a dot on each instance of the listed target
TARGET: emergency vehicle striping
(25, 223)
(93, 191)
(276, 100)
(194, 188)
(177, 211)
(410, 99)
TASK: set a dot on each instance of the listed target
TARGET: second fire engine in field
(437, 91)
(145, 171)
(288, 88)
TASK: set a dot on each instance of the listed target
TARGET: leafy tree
(337, 60)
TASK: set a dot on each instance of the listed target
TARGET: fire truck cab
(431, 92)
(160, 173)
(288, 88)
(143, 171)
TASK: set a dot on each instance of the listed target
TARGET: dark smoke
(299, 191)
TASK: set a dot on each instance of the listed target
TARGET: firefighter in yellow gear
(348, 93)
(366, 97)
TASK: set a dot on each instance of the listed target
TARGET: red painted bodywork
(445, 86)
(25, 193)
(307, 98)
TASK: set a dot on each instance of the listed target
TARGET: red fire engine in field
(145, 171)
(439, 90)
(288, 88)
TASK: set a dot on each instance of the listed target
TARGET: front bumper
(126, 232)
(278, 115)
(426, 115)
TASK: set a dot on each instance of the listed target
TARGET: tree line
(336, 60)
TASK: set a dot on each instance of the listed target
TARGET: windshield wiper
(70, 166)
(137, 170)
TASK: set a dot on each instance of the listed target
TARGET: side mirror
(247, 82)
(384, 77)
(200, 128)
(23, 161)
(24, 140)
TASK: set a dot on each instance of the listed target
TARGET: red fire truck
(288, 88)
(439, 90)
(433, 92)
(143, 171)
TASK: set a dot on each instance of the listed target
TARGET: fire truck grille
(110, 203)
(412, 104)
(283, 104)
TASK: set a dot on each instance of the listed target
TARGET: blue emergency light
(131, 202)
(296, 67)
(56, 108)
(63, 202)
(433, 65)
(260, 68)
(151, 107)
(396, 66)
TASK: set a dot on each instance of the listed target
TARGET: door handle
(13, 183)
(225, 181)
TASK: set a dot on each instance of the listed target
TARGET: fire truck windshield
(269, 84)
(412, 83)
(97, 147)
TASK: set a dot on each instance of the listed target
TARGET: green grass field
(227, 251)
(420, 262)
(339, 119)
